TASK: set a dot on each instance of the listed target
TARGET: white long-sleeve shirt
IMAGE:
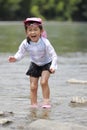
(40, 53)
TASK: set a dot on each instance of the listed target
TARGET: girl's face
(33, 32)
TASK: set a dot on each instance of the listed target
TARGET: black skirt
(36, 71)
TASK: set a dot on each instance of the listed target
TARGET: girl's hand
(52, 70)
(11, 59)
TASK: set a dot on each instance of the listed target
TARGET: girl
(43, 59)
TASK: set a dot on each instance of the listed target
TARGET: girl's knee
(43, 82)
(33, 87)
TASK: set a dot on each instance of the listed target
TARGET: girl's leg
(33, 90)
(45, 87)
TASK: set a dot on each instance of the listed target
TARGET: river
(15, 91)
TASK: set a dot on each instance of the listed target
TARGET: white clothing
(40, 53)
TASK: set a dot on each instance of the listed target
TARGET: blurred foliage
(62, 10)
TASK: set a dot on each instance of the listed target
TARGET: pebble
(42, 124)
(1, 113)
(4, 121)
(77, 81)
(80, 100)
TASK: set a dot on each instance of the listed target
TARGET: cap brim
(38, 20)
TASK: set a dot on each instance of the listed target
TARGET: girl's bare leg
(45, 87)
(33, 90)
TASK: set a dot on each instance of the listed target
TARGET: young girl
(43, 59)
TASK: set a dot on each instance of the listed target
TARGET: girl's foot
(46, 106)
(34, 106)
(46, 103)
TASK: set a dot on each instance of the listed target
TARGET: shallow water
(15, 92)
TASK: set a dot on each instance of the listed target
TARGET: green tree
(70, 8)
(43, 8)
(8, 9)
(47, 9)
(24, 11)
(81, 13)
(55, 9)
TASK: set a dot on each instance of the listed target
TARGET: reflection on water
(39, 114)
(14, 91)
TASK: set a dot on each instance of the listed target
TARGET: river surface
(15, 91)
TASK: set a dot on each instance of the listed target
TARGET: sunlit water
(15, 91)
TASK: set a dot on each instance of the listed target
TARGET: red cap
(34, 19)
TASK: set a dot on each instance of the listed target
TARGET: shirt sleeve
(52, 54)
(21, 51)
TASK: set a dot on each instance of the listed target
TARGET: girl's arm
(53, 55)
(19, 54)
